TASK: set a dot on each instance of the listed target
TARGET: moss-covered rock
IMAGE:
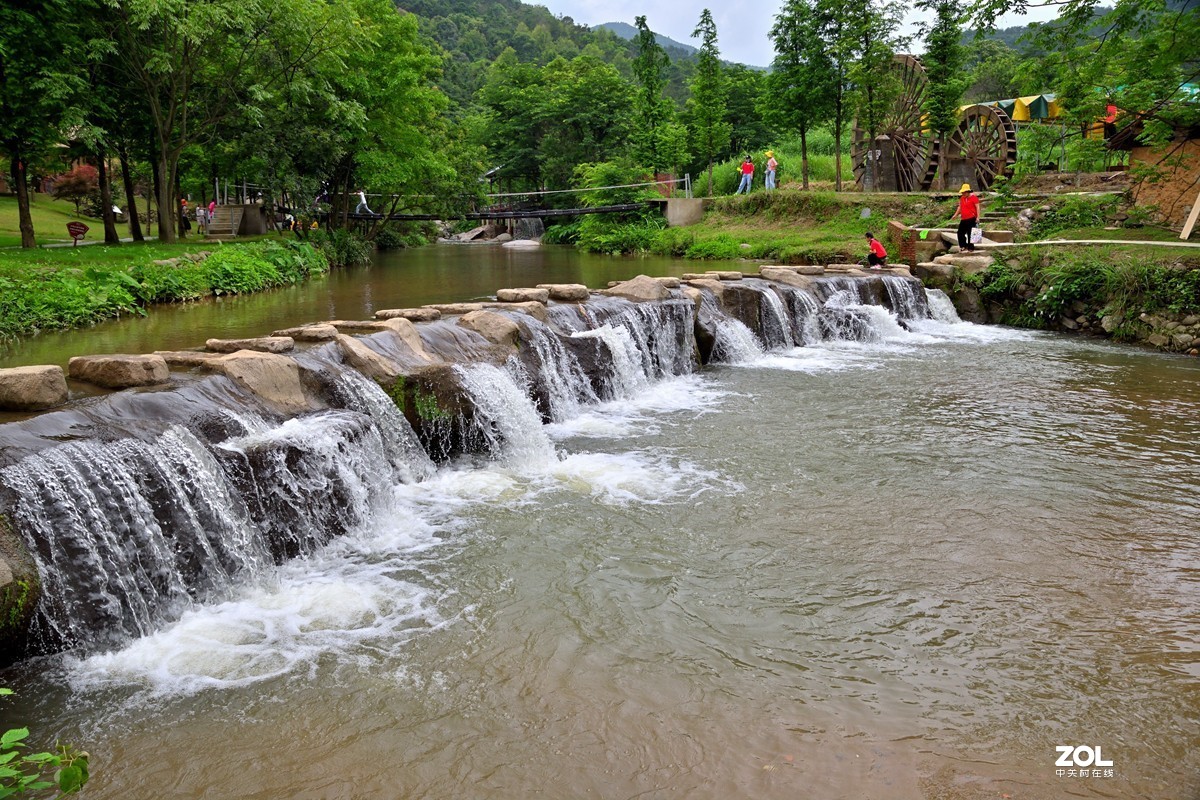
(20, 589)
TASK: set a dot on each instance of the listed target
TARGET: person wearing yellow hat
(968, 217)
(772, 165)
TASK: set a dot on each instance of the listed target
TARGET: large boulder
(410, 314)
(119, 371)
(787, 277)
(366, 360)
(669, 282)
(262, 344)
(32, 388)
(738, 300)
(275, 379)
(566, 292)
(20, 589)
(408, 334)
(496, 328)
(641, 289)
(522, 244)
(523, 295)
(969, 264)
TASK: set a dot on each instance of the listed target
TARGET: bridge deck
(510, 214)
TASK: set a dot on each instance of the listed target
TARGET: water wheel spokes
(902, 137)
(983, 146)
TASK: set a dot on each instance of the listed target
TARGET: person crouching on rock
(877, 258)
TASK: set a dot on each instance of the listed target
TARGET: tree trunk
(21, 185)
(110, 221)
(135, 224)
(804, 155)
(167, 215)
(710, 178)
(837, 144)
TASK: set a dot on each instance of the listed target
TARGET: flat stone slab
(262, 344)
(358, 325)
(451, 309)
(523, 295)
(186, 358)
(32, 388)
(309, 333)
(410, 314)
(119, 371)
(532, 308)
(786, 276)
(669, 282)
(522, 244)
(966, 262)
(724, 275)
(566, 292)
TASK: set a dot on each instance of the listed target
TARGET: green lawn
(50, 218)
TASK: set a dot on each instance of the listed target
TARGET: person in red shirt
(747, 176)
(968, 217)
(878, 256)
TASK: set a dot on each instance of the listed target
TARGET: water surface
(902, 569)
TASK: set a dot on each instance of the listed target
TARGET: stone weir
(203, 469)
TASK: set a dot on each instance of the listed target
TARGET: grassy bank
(1125, 291)
(73, 287)
(50, 218)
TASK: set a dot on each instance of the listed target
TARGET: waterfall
(905, 300)
(735, 343)
(529, 228)
(941, 307)
(553, 374)
(505, 419)
(628, 374)
(410, 463)
(845, 318)
(776, 330)
(806, 316)
(126, 534)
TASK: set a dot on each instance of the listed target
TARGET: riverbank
(1129, 292)
(49, 289)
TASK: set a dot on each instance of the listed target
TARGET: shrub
(342, 248)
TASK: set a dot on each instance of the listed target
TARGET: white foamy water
(342, 598)
(645, 413)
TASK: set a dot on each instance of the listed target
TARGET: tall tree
(41, 77)
(651, 109)
(943, 61)
(840, 47)
(872, 26)
(803, 78)
(197, 65)
(710, 131)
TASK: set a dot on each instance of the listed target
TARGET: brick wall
(903, 240)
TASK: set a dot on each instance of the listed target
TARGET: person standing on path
(747, 176)
(968, 217)
(363, 208)
(772, 166)
(201, 219)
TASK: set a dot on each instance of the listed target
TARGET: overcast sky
(742, 25)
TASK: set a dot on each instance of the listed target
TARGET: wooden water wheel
(981, 148)
(906, 148)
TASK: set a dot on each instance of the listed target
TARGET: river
(908, 568)
(394, 279)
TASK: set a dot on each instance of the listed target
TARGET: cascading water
(126, 534)
(505, 419)
(941, 307)
(776, 329)
(557, 378)
(735, 343)
(805, 316)
(906, 301)
(410, 462)
(628, 367)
